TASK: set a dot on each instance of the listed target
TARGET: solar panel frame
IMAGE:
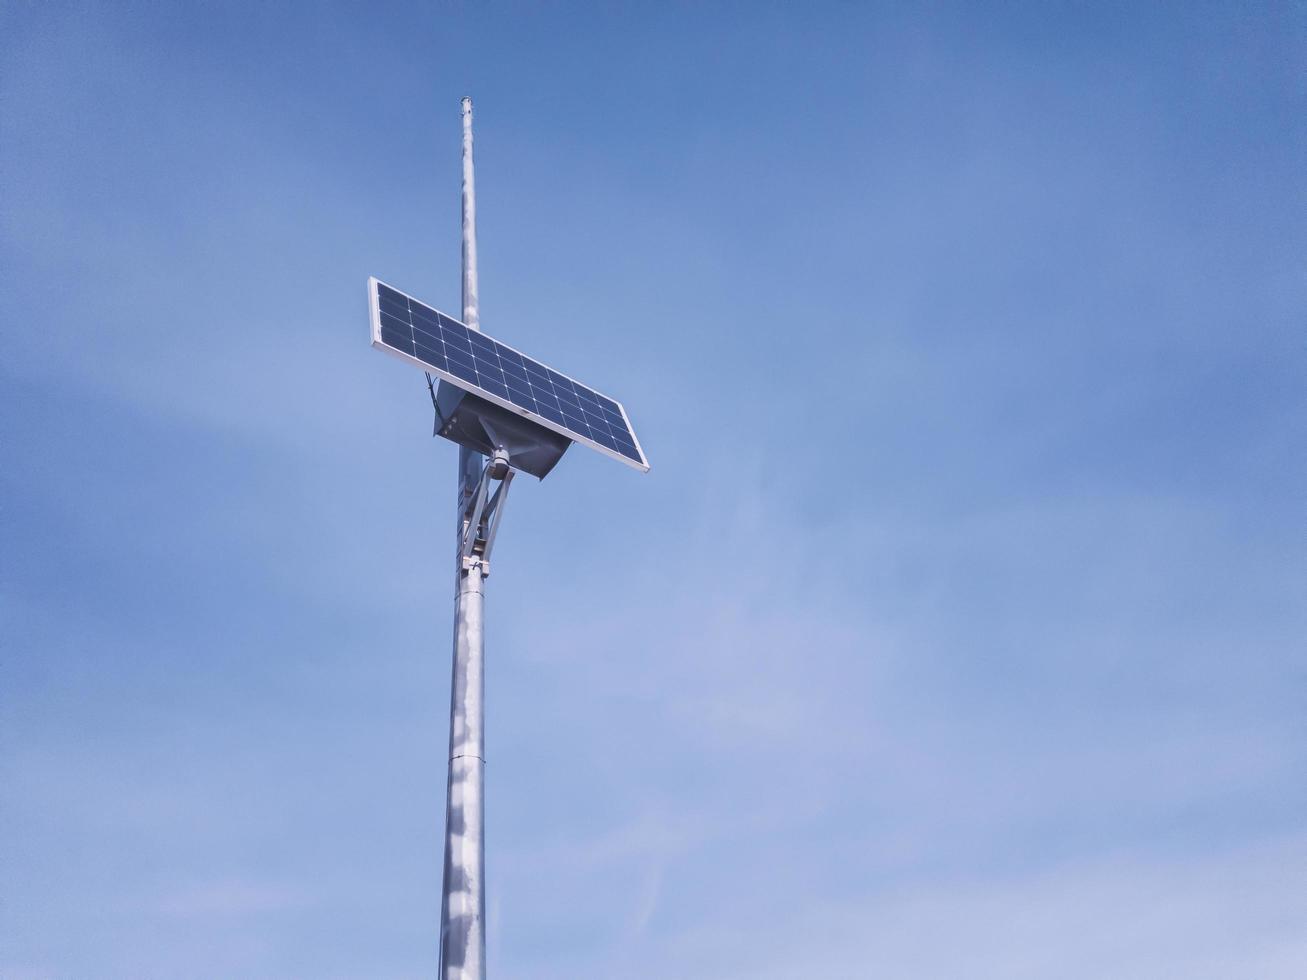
(553, 388)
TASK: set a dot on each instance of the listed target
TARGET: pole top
(467, 105)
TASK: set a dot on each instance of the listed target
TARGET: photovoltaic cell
(485, 367)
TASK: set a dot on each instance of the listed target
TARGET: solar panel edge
(374, 294)
(635, 439)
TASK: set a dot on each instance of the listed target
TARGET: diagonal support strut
(485, 511)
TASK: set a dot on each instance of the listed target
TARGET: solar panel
(470, 360)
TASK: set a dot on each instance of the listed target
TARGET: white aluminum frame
(374, 309)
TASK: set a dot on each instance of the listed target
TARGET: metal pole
(463, 904)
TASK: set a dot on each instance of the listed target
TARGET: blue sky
(957, 631)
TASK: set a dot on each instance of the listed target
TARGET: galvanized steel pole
(463, 904)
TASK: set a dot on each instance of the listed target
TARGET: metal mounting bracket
(484, 511)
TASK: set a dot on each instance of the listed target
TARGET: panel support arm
(484, 511)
